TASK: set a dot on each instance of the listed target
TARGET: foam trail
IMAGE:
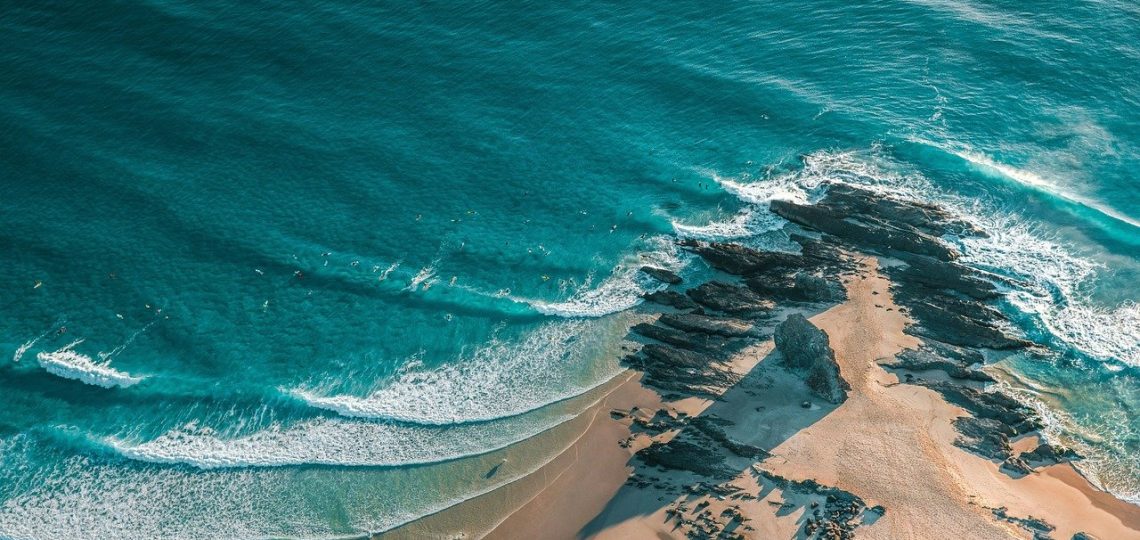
(69, 364)
(107, 356)
(24, 347)
(622, 290)
(1031, 180)
(388, 271)
(501, 379)
(423, 277)
(747, 223)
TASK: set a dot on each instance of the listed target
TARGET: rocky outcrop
(798, 287)
(672, 299)
(705, 342)
(741, 260)
(732, 299)
(956, 362)
(1016, 418)
(941, 275)
(807, 350)
(984, 436)
(872, 233)
(1048, 454)
(673, 368)
(662, 275)
(705, 324)
(965, 323)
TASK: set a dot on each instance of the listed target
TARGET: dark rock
(928, 218)
(1032, 524)
(670, 368)
(1015, 467)
(873, 233)
(798, 286)
(729, 298)
(957, 322)
(683, 455)
(672, 299)
(954, 361)
(708, 427)
(662, 275)
(935, 274)
(1048, 454)
(807, 350)
(710, 343)
(721, 326)
(741, 260)
(806, 404)
(984, 436)
(1012, 417)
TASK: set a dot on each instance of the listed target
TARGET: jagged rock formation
(807, 350)
(662, 275)
(950, 305)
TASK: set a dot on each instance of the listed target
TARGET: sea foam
(67, 363)
(500, 379)
(623, 288)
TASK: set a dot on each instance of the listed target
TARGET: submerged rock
(807, 350)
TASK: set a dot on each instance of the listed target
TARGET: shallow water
(302, 252)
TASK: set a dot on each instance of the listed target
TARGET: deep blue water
(260, 260)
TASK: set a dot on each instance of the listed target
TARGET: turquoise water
(265, 266)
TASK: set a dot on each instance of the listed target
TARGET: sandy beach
(890, 444)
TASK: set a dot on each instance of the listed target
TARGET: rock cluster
(951, 306)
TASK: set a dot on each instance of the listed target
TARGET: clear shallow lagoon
(300, 255)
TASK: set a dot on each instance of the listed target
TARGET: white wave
(749, 222)
(69, 364)
(1030, 179)
(424, 277)
(498, 380)
(622, 290)
(330, 441)
(23, 348)
(388, 271)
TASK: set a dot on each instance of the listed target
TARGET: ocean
(284, 271)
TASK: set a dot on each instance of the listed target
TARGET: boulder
(807, 350)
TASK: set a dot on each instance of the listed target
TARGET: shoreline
(887, 434)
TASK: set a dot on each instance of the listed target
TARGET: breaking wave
(501, 379)
(623, 288)
(67, 363)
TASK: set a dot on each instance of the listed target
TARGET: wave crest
(67, 363)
